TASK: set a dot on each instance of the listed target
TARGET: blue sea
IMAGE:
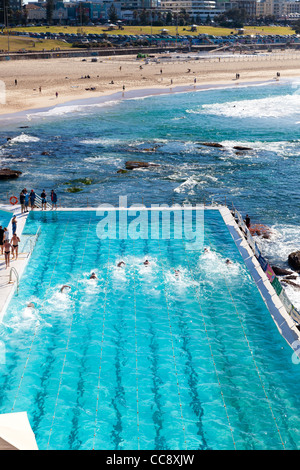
(77, 150)
(87, 143)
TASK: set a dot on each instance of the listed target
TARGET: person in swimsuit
(93, 276)
(14, 225)
(177, 273)
(228, 261)
(120, 264)
(1, 238)
(15, 245)
(6, 234)
(146, 263)
(7, 247)
(65, 287)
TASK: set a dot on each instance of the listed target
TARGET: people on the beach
(15, 245)
(14, 224)
(53, 199)
(56, 94)
(44, 200)
(7, 247)
(1, 238)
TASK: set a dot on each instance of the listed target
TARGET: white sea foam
(24, 138)
(272, 107)
(69, 109)
(187, 186)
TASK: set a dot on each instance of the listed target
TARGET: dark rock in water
(24, 127)
(211, 144)
(8, 139)
(260, 230)
(281, 272)
(131, 165)
(294, 260)
(291, 278)
(291, 283)
(45, 154)
(239, 147)
(122, 171)
(6, 173)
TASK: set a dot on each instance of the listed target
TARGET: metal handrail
(38, 202)
(13, 270)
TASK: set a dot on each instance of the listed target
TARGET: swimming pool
(139, 359)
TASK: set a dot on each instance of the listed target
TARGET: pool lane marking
(173, 349)
(136, 353)
(210, 347)
(101, 351)
(68, 341)
(251, 352)
(37, 324)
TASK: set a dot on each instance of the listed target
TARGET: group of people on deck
(9, 246)
(29, 200)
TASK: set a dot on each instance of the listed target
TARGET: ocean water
(87, 144)
(138, 359)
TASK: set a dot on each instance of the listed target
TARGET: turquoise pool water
(5, 218)
(139, 359)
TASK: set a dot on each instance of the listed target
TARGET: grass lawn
(138, 30)
(36, 45)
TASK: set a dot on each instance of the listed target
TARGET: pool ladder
(11, 272)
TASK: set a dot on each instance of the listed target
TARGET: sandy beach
(38, 81)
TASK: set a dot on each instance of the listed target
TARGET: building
(194, 8)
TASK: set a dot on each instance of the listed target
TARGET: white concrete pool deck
(282, 319)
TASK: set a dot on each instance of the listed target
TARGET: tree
(4, 12)
(297, 27)
(234, 18)
(169, 18)
(49, 10)
(112, 13)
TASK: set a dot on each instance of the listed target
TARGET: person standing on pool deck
(6, 235)
(44, 200)
(15, 245)
(26, 203)
(7, 247)
(1, 238)
(14, 224)
(247, 221)
(53, 199)
(22, 201)
(32, 199)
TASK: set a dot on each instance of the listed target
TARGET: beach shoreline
(74, 80)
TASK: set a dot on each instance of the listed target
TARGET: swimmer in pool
(146, 263)
(177, 273)
(31, 305)
(228, 261)
(64, 287)
(121, 264)
(93, 276)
